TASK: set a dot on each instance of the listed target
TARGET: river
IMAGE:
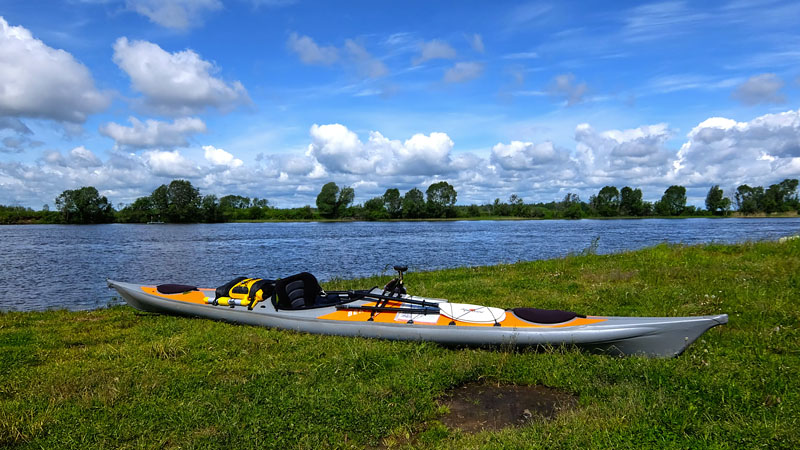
(65, 266)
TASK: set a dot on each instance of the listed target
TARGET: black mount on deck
(400, 270)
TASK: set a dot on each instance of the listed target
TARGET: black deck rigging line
(375, 309)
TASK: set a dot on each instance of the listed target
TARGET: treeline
(180, 202)
(780, 197)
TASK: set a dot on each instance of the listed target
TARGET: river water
(65, 266)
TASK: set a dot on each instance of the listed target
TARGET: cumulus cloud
(634, 156)
(153, 133)
(310, 53)
(463, 71)
(565, 86)
(83, 157)
(38, 81)
(340, 150)
(520, 155)
(764, 88)
(220, 157)
(435, 49)
(365, 63)
(176, 14)
(170, 164)
(761, 151)
(753, 152)
(179, 83)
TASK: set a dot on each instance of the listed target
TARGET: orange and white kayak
(299, 304)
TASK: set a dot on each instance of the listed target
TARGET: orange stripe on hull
(510, 320)
(188, 297)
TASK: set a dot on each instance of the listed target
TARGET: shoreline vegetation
(180, 202)
(120, 378)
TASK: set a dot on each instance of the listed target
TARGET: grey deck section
(648, 336)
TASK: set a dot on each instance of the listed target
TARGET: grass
(118, 378)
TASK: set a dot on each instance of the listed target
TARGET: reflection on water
(65, 266)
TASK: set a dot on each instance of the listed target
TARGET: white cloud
(722, 151)
(661, 20)
(435, 49)
(520, 155)
(38, 81)
(521, 55)
(310, 53)
(755, 152)
(764, 88)
(564, 86)
(365, 63)
(177, 14)
(170, 164)
(340, 150)
(463, 71)
(153, 133)
(635, 156)
(220, 157)
(477, 43)
(179, 83)
(83, 157)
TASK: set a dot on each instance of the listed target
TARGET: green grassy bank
(117, 378)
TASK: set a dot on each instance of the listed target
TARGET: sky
(274, 98)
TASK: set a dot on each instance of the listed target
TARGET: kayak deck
(650, 336)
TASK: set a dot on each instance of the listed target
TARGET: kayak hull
(647, 336)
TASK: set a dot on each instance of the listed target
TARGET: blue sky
(272, 99)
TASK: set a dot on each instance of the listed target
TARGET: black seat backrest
(297, 291)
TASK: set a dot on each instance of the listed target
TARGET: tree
(780, 197)
(517, 206)
(413, 204)
(716, 202)
(789, 190)
(607, 201)
(160, 200)
(441, 199)
(374, 210)
(234, 202)
(83, 206)
(326, 200)
(393, 203)
(673, 202)
(571, 206)
(331, 202)
(183, 201)
(748, 199)
(630, 203)
(500, 208)
(140, 211)
(211, 211)
(346, 197)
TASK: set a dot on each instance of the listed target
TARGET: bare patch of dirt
(478, 407)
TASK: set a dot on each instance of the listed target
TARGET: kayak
(298, 303)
